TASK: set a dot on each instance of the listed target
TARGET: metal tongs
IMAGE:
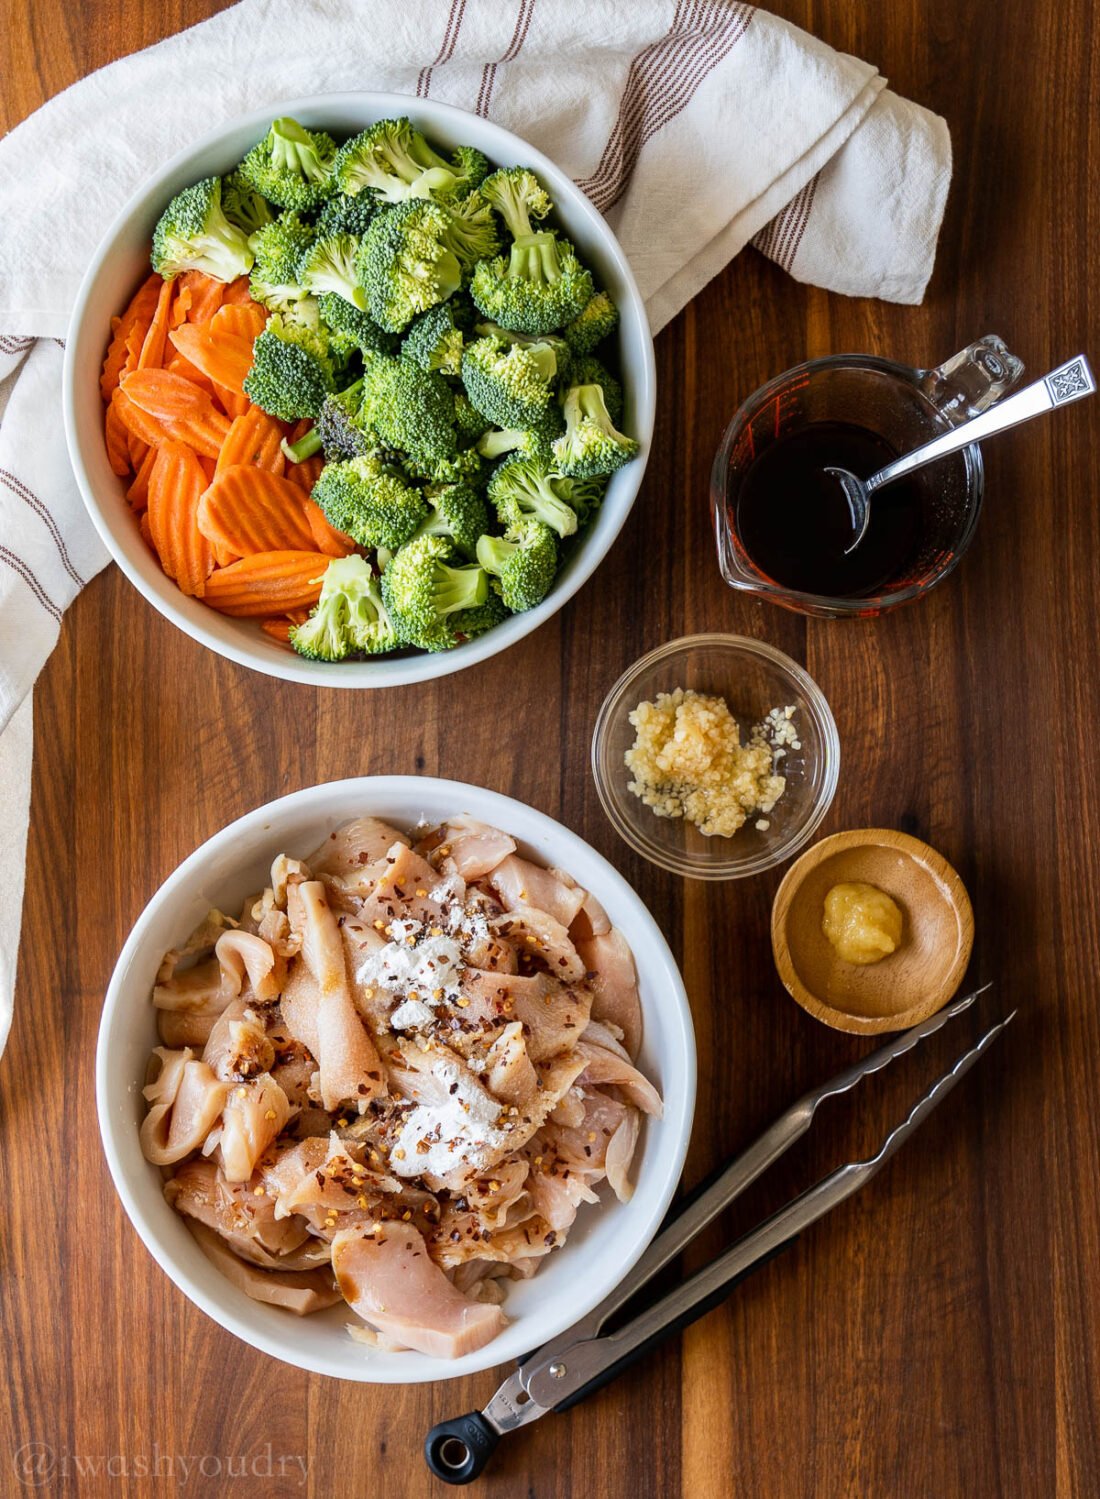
(580, 1361)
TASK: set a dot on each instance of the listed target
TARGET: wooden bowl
(902, 989)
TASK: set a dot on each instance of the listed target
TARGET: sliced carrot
(152, 350)
(136, 449)
(231, 402)
(181, 304)
(177, 365)
(278, 629)
(209, 468)
(206, 295)
(138, 492)
(267, 583)
(237, 293)
(223, 555)
(250, 510)
(116, 436)
(146, 534)
(327, 538)
(143, 426)
(138, 315)
(225, 358)
(307, 473)
(254, 437)
(246, 321)
(183, 408)
(175, 487)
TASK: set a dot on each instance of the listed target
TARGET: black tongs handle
(457, 1450)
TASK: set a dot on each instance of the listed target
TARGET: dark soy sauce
(794, 521)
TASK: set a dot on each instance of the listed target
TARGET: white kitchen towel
(694, 125)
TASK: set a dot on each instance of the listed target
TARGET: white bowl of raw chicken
(607, 1237)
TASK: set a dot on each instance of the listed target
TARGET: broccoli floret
(541, 286)
(352, 326)
(339, 430)
(410, 408)
(423, 590)
(465, 467)
(458, 513)
(527, 442)
(589, 371)
(596, 320)
(328, 268)
(471, 232)
(591, 444)
(343, 215)
(193, 234)
(524, 487)
(243, 205)
(469, 422)
(349, 618)
(278, 248)
(523, 561)
(396, 163)
(467, 623)
(433, 342)
(368, 500)
(517, 196)
(404, 265)
(291, 166)
(509, 384)
(292, 370)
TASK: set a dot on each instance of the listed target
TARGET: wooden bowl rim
(955, 893)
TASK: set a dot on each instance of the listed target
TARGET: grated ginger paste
(688, 760)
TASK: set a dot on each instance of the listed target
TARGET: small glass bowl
(753, 678)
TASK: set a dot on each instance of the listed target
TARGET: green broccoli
(523, 486)
(589, 371)
(598, 318)
(292, 369)
(343, 215)
(542, 285)
(396, 163)
(510, 384)
(278, 248)
(410, 408)
(351, 326)
(369, 501)
(423, 591)
(563, 354)
(291, 166)
(243, 205)
(339, 430)
(465, 467)
(328, 267)
(523, 560)
(348, 619)
(528, 442)
(468, 623)
(591, 444)
(193, 234)
(458, 513)
(471, 233)
(470, 425)
(403, 264)
(433, 342)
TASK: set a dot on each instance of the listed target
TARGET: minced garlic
(688, 760)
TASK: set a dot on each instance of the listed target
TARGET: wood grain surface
(938, 1335)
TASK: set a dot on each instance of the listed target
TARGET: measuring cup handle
(964, 385)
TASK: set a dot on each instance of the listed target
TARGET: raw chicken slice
(253, 1116)
(470, 848)
(200, 944)
(539, 935)
(184, 1100)
(590, 921)
(553, 1015)
(298, 1005)
(403, 889)
(350, 854)
(241, 955)
(604, 1066)
(389, 1280)
(348, 1061)
(300, 1292)
(245, 1221)
(284, 871)
(509, 1073)
(519, 884)
(201, 988)
(557, 1194)
(615, 985)
(238, 1046)
(620, 1154)
(178, 1028)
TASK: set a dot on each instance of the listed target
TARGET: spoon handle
(1069, 382)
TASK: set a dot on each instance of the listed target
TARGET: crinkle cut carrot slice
(176, 485)
(327, 538)
(152, 350)
(206, 295)
(247, 321)
(138, 492)
(267, 583)
(129, 329)
(307, 472)
(248, 510)
(225, 358)
(254, 437)
(116, 435)
(184, 409)
(143, 426)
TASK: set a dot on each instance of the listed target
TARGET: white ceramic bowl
(606, 1240)
(123, 258)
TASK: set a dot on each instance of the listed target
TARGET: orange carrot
(138, 492)
(266, 583)
(237, 293)
(177, 365)
(146, 534)
(225, 358)
(137, 316)
(239, 321)
(181, 304)
(136, 449)
(152, 350)
(327, 538)
(306, 473)
(206, 295)
(254, 437)
(278, 629)
(248, 510)
(140, 423)
(232, 403)
(116, 436)
(175, 487)
(184, 410)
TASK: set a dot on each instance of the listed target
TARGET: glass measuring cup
(902, 406)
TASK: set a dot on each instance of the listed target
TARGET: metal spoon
(1069, 382)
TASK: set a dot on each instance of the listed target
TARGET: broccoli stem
(304, 448)
(535, 258)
